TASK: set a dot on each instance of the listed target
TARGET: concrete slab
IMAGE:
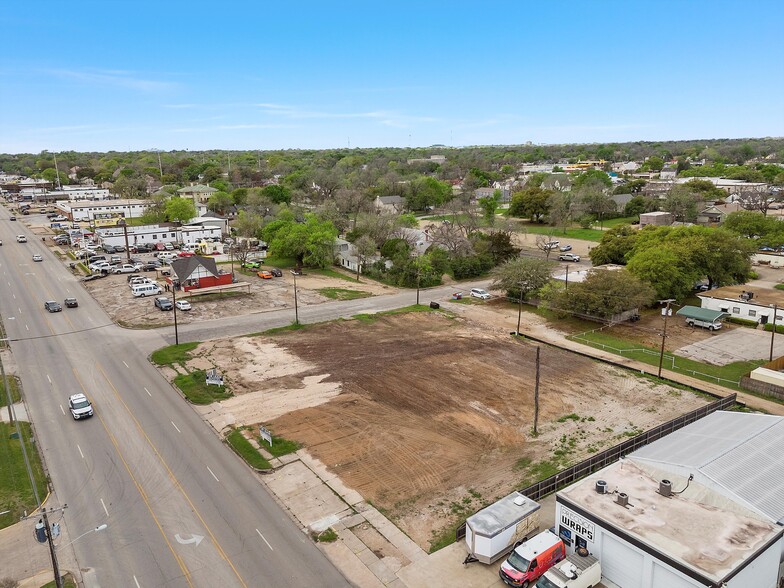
(288, 458)
(351, 541)
(382, 572)
(19, 411)
(291, 480)
(445, 568)
(350, 566)
(739, 344)
(353, 520)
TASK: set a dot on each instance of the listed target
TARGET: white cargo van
(146, 290)
(576, 571)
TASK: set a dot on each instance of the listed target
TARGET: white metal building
(152, 234)
(74, 193)
(86, 211)
(653, 527)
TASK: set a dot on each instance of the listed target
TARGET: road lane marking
(174, 480)
(19, 309)
(135, 581)
(213, 474)
(61, 408)
(14, 295)
(265, 540)
(48, 378)
(103, 504)
(26, 327)
(148, 392)
(126, 365)
(186, 572)
(80, 450)
(175, 426)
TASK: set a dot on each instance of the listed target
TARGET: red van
(531, 559)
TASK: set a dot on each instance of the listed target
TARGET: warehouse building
(703, 506)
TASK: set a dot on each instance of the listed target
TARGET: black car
(151, 266)
(164, 303)
(71, 303)
(110, 249)
(12, 218)
(52, 306)
(141, 249)
(276, 272)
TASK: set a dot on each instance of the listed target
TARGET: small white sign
(266, 435)
(580, 525)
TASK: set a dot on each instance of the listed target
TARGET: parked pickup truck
(576, 571)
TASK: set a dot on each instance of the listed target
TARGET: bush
(779, 328)
(742, 322)
(471, 266)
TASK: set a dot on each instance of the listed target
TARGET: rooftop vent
(665, 488)
(622, 499)
(519, 500)
(601, 487)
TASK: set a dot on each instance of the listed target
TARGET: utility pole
(176, 332)
(666, 311)
(520, 310)
(773, 330)
(296, 310)
(536, 394)
(57, 171)
(55, 566)
(160, 167)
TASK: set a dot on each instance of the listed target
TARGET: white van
(577, 571)
(146, 290)
(710, 325)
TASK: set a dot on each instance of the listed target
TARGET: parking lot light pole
(124, 225)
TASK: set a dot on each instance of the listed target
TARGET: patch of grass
(331, 273)
(67, 579)
(539, 471)
(280, 446)
(444, 537)
(281, 262)
(726, 375)
(217, 296)
(779, 286)
(246, 451)
(287, 328)
(197, 391)
(173, 354)
(614, 222)
(569, 417)
(16, 493)
(13, 387)
(342, 293)
(558, 233)
(326, 536)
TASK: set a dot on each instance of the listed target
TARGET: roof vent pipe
(665, 488)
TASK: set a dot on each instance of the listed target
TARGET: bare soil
(429, 415)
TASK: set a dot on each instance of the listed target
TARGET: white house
(756, 305)
(199, 193)
(152, 234)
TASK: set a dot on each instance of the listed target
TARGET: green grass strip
(343, 293)
(246, 451)
(173, 354)
(196, 390)
(13, 385)
(16, 493)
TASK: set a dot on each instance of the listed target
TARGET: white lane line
(80, 450)
(148, 392)
(213, 474)
(126, 365)
(26, 327)
(175, 426)
(103, 504)
(48, 378)
(14, 295)
(19, 309)
(265, 541)
(135, 581)
(61, 408)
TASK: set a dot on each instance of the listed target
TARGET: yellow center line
(142, 493)
(173, 478)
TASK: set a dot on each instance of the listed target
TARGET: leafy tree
(682, 202)
(655, 163)
(665, 270)
(631, 187)
(592, 199)
(220, 202)
(396, 249)
(489, 206)
(604, 294)
(470, 266)
(706, 189)
(560, 210)
(522, 276)
(276, 194)
(426, 191)
(180, 209)
(592, 176)
(636, 206)
(749, 223)
(497, 244)
(616, 244)
(532, 202)
(311, 242)
(248, 224)
(131, 187)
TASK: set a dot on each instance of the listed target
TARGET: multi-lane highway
(181, 509)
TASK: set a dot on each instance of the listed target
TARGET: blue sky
(118, 75)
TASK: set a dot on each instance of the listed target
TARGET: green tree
(682, 202)
(220, 202)
(248, 224)
(665, 270)
(636, 206)
(522, 276)
(180, 209)
(489, 206)
(654, 163)
(616, 244)
(311, 243)
(277, 194)
(592, 176)
(426, 191)
(750, 224)
(603, 294)
(532, 202)
(560, 210)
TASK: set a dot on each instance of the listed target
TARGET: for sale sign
(580, 525)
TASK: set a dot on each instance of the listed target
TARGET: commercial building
(703, 506)
(89, 211)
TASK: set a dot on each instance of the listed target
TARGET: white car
(79, 406)
(139, 281)
(60, 218)
(568, 257)
(21, 239)
(480, 293)
(126, 268)
(183, 305)
(37, 257)
(100, 266)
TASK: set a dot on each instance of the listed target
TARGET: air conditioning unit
(601, 487)
(622, 499)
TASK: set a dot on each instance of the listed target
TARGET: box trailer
(496, 529)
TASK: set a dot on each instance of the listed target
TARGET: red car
(160, 246)
(265, 274)
(186, 254)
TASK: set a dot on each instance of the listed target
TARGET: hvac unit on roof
(601, 487)
(622, 499)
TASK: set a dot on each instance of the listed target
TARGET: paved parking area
(738, 344)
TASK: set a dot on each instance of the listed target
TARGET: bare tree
(544, 244)
(352, 202)
(753, 199)
(451, 237)
(364, 249)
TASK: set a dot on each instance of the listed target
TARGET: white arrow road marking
(213, 474)
(48, 378)
(265, 540)
(126, 365)
(135, 581)
(194, 539)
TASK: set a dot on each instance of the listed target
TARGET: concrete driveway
(738, 344)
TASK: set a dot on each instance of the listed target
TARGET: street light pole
(176, 332)
(666, 312)
(124, 225)
(296, 310)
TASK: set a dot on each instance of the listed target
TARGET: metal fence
(571, 474)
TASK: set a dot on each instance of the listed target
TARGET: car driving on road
(71, 303)
(480, 293)
(568, 257)
(79, 406)
(37, 257)
(21, 239)
(52, 306)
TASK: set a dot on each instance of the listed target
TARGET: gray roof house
(396, 204)
(199, 193)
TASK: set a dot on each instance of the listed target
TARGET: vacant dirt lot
(115, 297)
(430, 416)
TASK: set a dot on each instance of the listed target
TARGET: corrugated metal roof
(700, 314)
(740, 453)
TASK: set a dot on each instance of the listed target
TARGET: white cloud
(123, 79)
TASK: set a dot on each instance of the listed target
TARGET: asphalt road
(181, 509)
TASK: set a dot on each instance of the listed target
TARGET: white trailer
(495, 530)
